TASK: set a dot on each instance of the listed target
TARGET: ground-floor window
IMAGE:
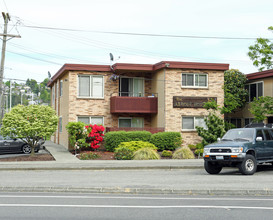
(191, 122)
(131, 122)
(60, 124)
(98, 120)
(237, 122)
(248, 121)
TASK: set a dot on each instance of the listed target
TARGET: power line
(143, 34)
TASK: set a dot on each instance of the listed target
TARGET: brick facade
(164, 82)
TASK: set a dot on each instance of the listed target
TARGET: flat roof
(260, 75)
(137, 67)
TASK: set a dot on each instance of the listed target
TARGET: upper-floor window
(255, 90)
(133, 87)
(53, 95)
(61, 87)
(90, 86)
(194, 80)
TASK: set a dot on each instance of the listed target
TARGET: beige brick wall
(70, 106)
(173, 88)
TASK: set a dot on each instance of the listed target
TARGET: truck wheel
(212, 168)
(249, 165)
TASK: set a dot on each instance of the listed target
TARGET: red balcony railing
(126, 104)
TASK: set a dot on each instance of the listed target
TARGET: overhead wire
(126, 50)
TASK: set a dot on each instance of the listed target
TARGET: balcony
(127, 104)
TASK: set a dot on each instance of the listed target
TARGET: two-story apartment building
(166, 96)
(258, 84)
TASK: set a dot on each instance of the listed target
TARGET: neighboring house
(258, 84)
(166, 96)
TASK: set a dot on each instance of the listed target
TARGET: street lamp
(22, 92)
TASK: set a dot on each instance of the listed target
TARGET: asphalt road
(195, 180)
(91, 206)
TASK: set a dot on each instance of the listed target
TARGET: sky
(46, 43)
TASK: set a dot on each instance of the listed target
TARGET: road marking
(135, 197)
(134, 207)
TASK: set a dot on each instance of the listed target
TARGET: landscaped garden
(90, 143)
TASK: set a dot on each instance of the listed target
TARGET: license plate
(219, 157)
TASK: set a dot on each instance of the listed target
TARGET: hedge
(166, 140)
(112, 139)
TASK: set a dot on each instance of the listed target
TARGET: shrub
(166, 153)
(76, 134)
(89, 156)
(183, 153)
(126, 150)
(199, 152)
(166, 140)
(114, 138)
(146, 153)
(124, 153)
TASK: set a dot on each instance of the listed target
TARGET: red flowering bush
(94, 135)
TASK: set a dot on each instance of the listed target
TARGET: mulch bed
(36, 157)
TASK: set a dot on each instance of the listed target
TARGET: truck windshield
(239, 135)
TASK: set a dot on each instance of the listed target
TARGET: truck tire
(212, 168)
(249, 165)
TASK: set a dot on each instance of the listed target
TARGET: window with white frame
(90, 86)
(131, 122)
(61, 88)
(255, 90)
(194, 80)
(191, 122)
(60, 124)
(98, 120)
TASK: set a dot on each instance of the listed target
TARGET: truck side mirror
(259, 139)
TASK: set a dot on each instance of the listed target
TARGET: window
(267, 135)
(53, 96)
(61, 87)
(194, 80)
(131, 122)
(131, 87)
(90, 86)
(60, 124)
(98, 120)
(237, 122)
(248, 121)
(190, 123)
(255, 90)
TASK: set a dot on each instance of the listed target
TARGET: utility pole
(5, 35)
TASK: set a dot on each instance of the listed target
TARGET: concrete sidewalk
(64, 160)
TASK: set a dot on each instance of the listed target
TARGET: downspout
(166, 66)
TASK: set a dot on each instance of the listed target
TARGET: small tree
(261, 53)
(215, 126)
(30, 123)
(261, 107)
(234, 89)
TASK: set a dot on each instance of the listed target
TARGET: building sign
(190, 102)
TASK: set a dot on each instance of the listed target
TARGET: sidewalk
(64, 160)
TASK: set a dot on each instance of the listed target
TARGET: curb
(133, 191)
(102, 168)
